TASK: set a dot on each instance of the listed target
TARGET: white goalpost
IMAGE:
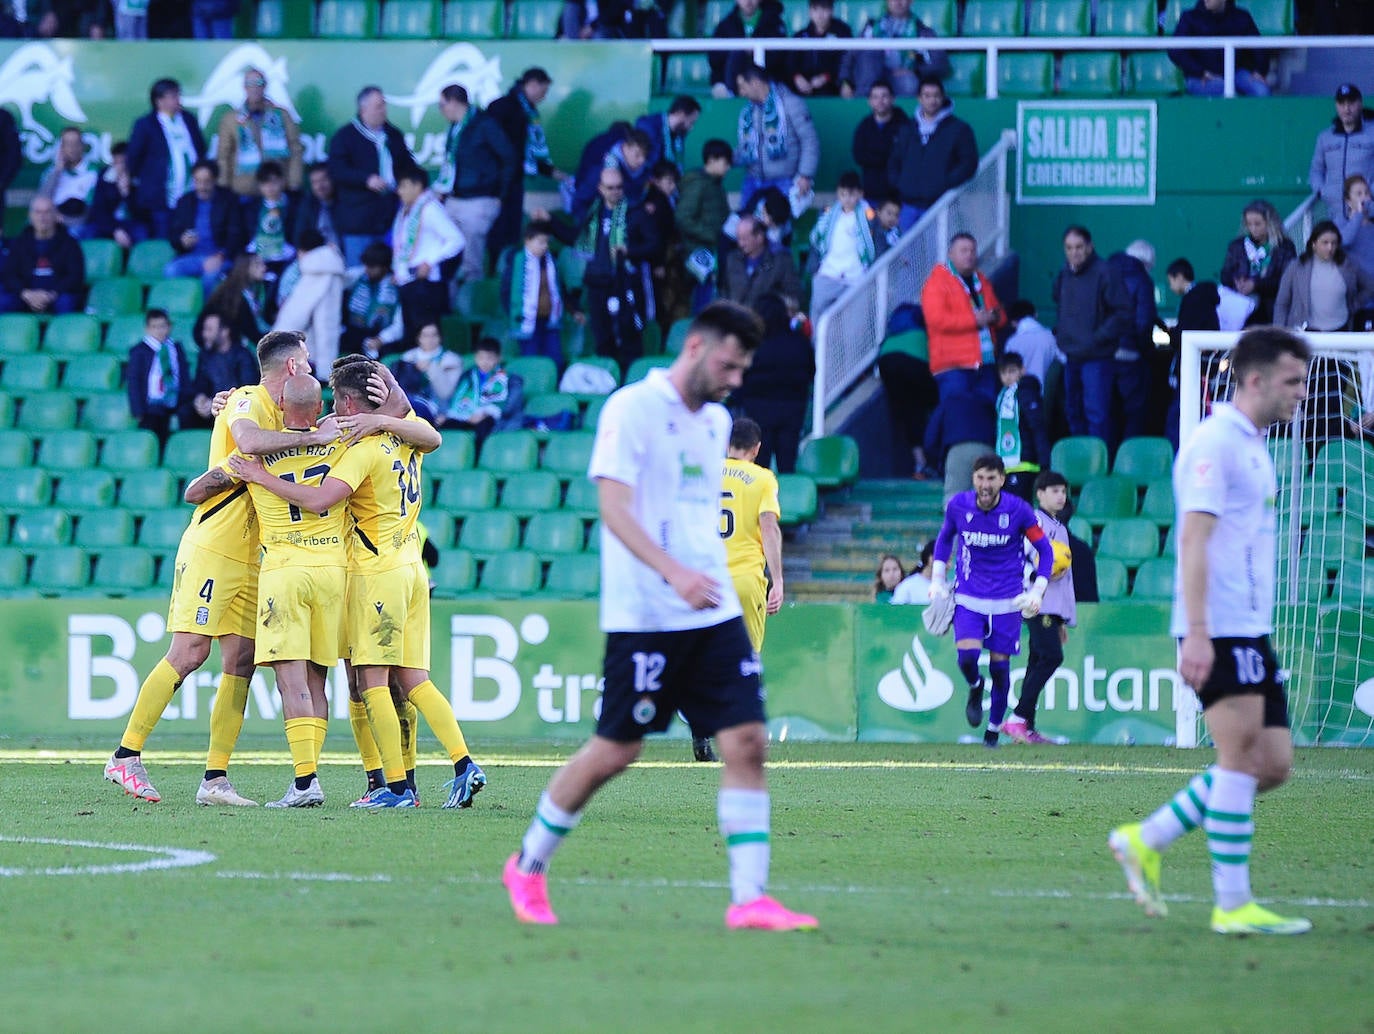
(1324, 613)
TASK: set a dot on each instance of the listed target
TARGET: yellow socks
(410, 719)
(153, 697)
(300, 737)
(226, 720)
(321, 728)
(438, 713)
(362, 735)
(386, 728)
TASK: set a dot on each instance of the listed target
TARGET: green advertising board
(1086, 152)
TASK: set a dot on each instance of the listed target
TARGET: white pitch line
(309, 877)
(171, 858)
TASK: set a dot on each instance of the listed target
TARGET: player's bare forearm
(1192, 555)
(253, 440)
(208, 485)
(771, 533)
(419, 433)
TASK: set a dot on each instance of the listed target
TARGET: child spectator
(842, 247)
(887, 578)
(271, 220)
(702, 208)
(533, 297)
(372, 310)
(482, 395)
(240, 299)
(1023, 436)
(157, 377)
(914, 589)
(429, 371)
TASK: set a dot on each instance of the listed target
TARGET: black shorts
(1244, 666)
(710, 674)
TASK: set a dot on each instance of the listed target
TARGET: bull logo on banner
(224, 85)
(461, 63)
(36, 74)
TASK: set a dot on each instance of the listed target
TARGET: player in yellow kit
(387, 623)
(214, 592)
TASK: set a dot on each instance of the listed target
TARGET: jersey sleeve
(768, 494)
(618, 451)
(246, 404)
(353, 467)
(1201, 481)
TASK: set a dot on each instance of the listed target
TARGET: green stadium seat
(117, 296)
(1154, 581)
(552, 406)
(509, 452)
(1084, 73)
(677, 335)
(122, 333)
(940, 15)
(832, 462)
(1126, 18)
(797, 500)
(686, 73)
(530, 492)
(7, 408)
(511, 575)
(592, 413)
(1312, 583)
(568, 455)
(1132, 540)
(594, 537)
(549, 534)
(187, 452)
(1059, 18)
(1150, 73)
(456, 453)
(968, 75)
(489, 533)
(639, 369)
(93, 375)
(1343, 461)
(475, 19)
(467, 491)
(105, 413)
(1170, 542)
(19, 333)
(410, 19)
(16, 449)
(574, 576)
(28, 373)
(136, 450)
(122, 571)
(1159, 502)
(48, 411)
(539, 372)
(104, 258)
(179, 296)
(992, 18)
(162, 529)
(268, 22)
(59, 571)
(1336, 540)
(1081, 529)
(1111, 579)
(1143, 460)
(1025, 74)
(441, 528)
(165, 561)
(1106, 499)
(582, 498)
(148, 260)
(24, 487)
(114, 527)
(147, 489)
(480, 300)
(14, 569)
(346, 19)
(1079, 459)
(535, 19)
(653, 337)
(1272, 17)
(455, 574)
(35, 529)
(67, 450)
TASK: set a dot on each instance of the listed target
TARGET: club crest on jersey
(644, 711)
(202, 615)
(968, 518)
(1002, 520)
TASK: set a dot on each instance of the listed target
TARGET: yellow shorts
(388, 617)
(753, 597)
(212, 595)
(298, 615)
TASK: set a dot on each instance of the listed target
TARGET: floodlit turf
(958, 890)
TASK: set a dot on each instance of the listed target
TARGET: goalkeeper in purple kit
(984, 529)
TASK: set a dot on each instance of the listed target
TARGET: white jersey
(1224, 469)
(648, 439)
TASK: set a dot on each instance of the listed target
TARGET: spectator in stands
(42, 269)
(1197, 310)
(748, 19)
(1322, 290)
(1356, 223)
(667, 131)
(932, 153)
(482, 394)
(914, 589)
(112, 215)
(630, 155)
(479, 167)
(131, 19)
(423, 241)
(533, 296)
(11, 153)
(1132, 363)
(1023, 431)
(777, 386)
(888, 576)
(224, 364)
(615, 19)
(158, 377)
(816, 73)
(1255, 260)
(667, 273)
(905, 70)
(317, 207)
(207, 228)
(164, 146)
(517, 113)
(961, 312)
(366, 159)
(429, 370)
(372, 307)
(908, 390)
(886, 222)
(754, 270)
(213, 19)
(1094, 313)
(310, 297)
(960, 418)
(1202, 69)
(702, 208)
(70, 184)
(270, 221)
(874, 138)
(256, 133)
(240, 300)
(777, 142)
(842, 245)
(1032, 341)
(1345, 149)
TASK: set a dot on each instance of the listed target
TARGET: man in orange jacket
(961, 312)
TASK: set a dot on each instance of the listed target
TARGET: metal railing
(851, 331)
(1298, 224)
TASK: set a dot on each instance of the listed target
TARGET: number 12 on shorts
(648, 671)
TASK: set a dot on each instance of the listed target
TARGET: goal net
(1324, 613)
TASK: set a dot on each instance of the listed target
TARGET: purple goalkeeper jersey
(989, 565)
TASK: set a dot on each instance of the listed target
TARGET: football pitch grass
(957, 889)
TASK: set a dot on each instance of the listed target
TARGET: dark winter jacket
(487, 162)
(1339, 155)
(1094, 310)
(771, 25)
(149, 159)
(509, 114)
(1140, 289)
(64, 256)
(872, 149)
(1266, 286)
(226, 221)
(352, 159)
(1229, 21)
(811, 63)
(921, 171)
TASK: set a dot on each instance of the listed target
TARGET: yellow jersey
(385, 504)
(747, 490)
(225, 523)
(295, 537)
